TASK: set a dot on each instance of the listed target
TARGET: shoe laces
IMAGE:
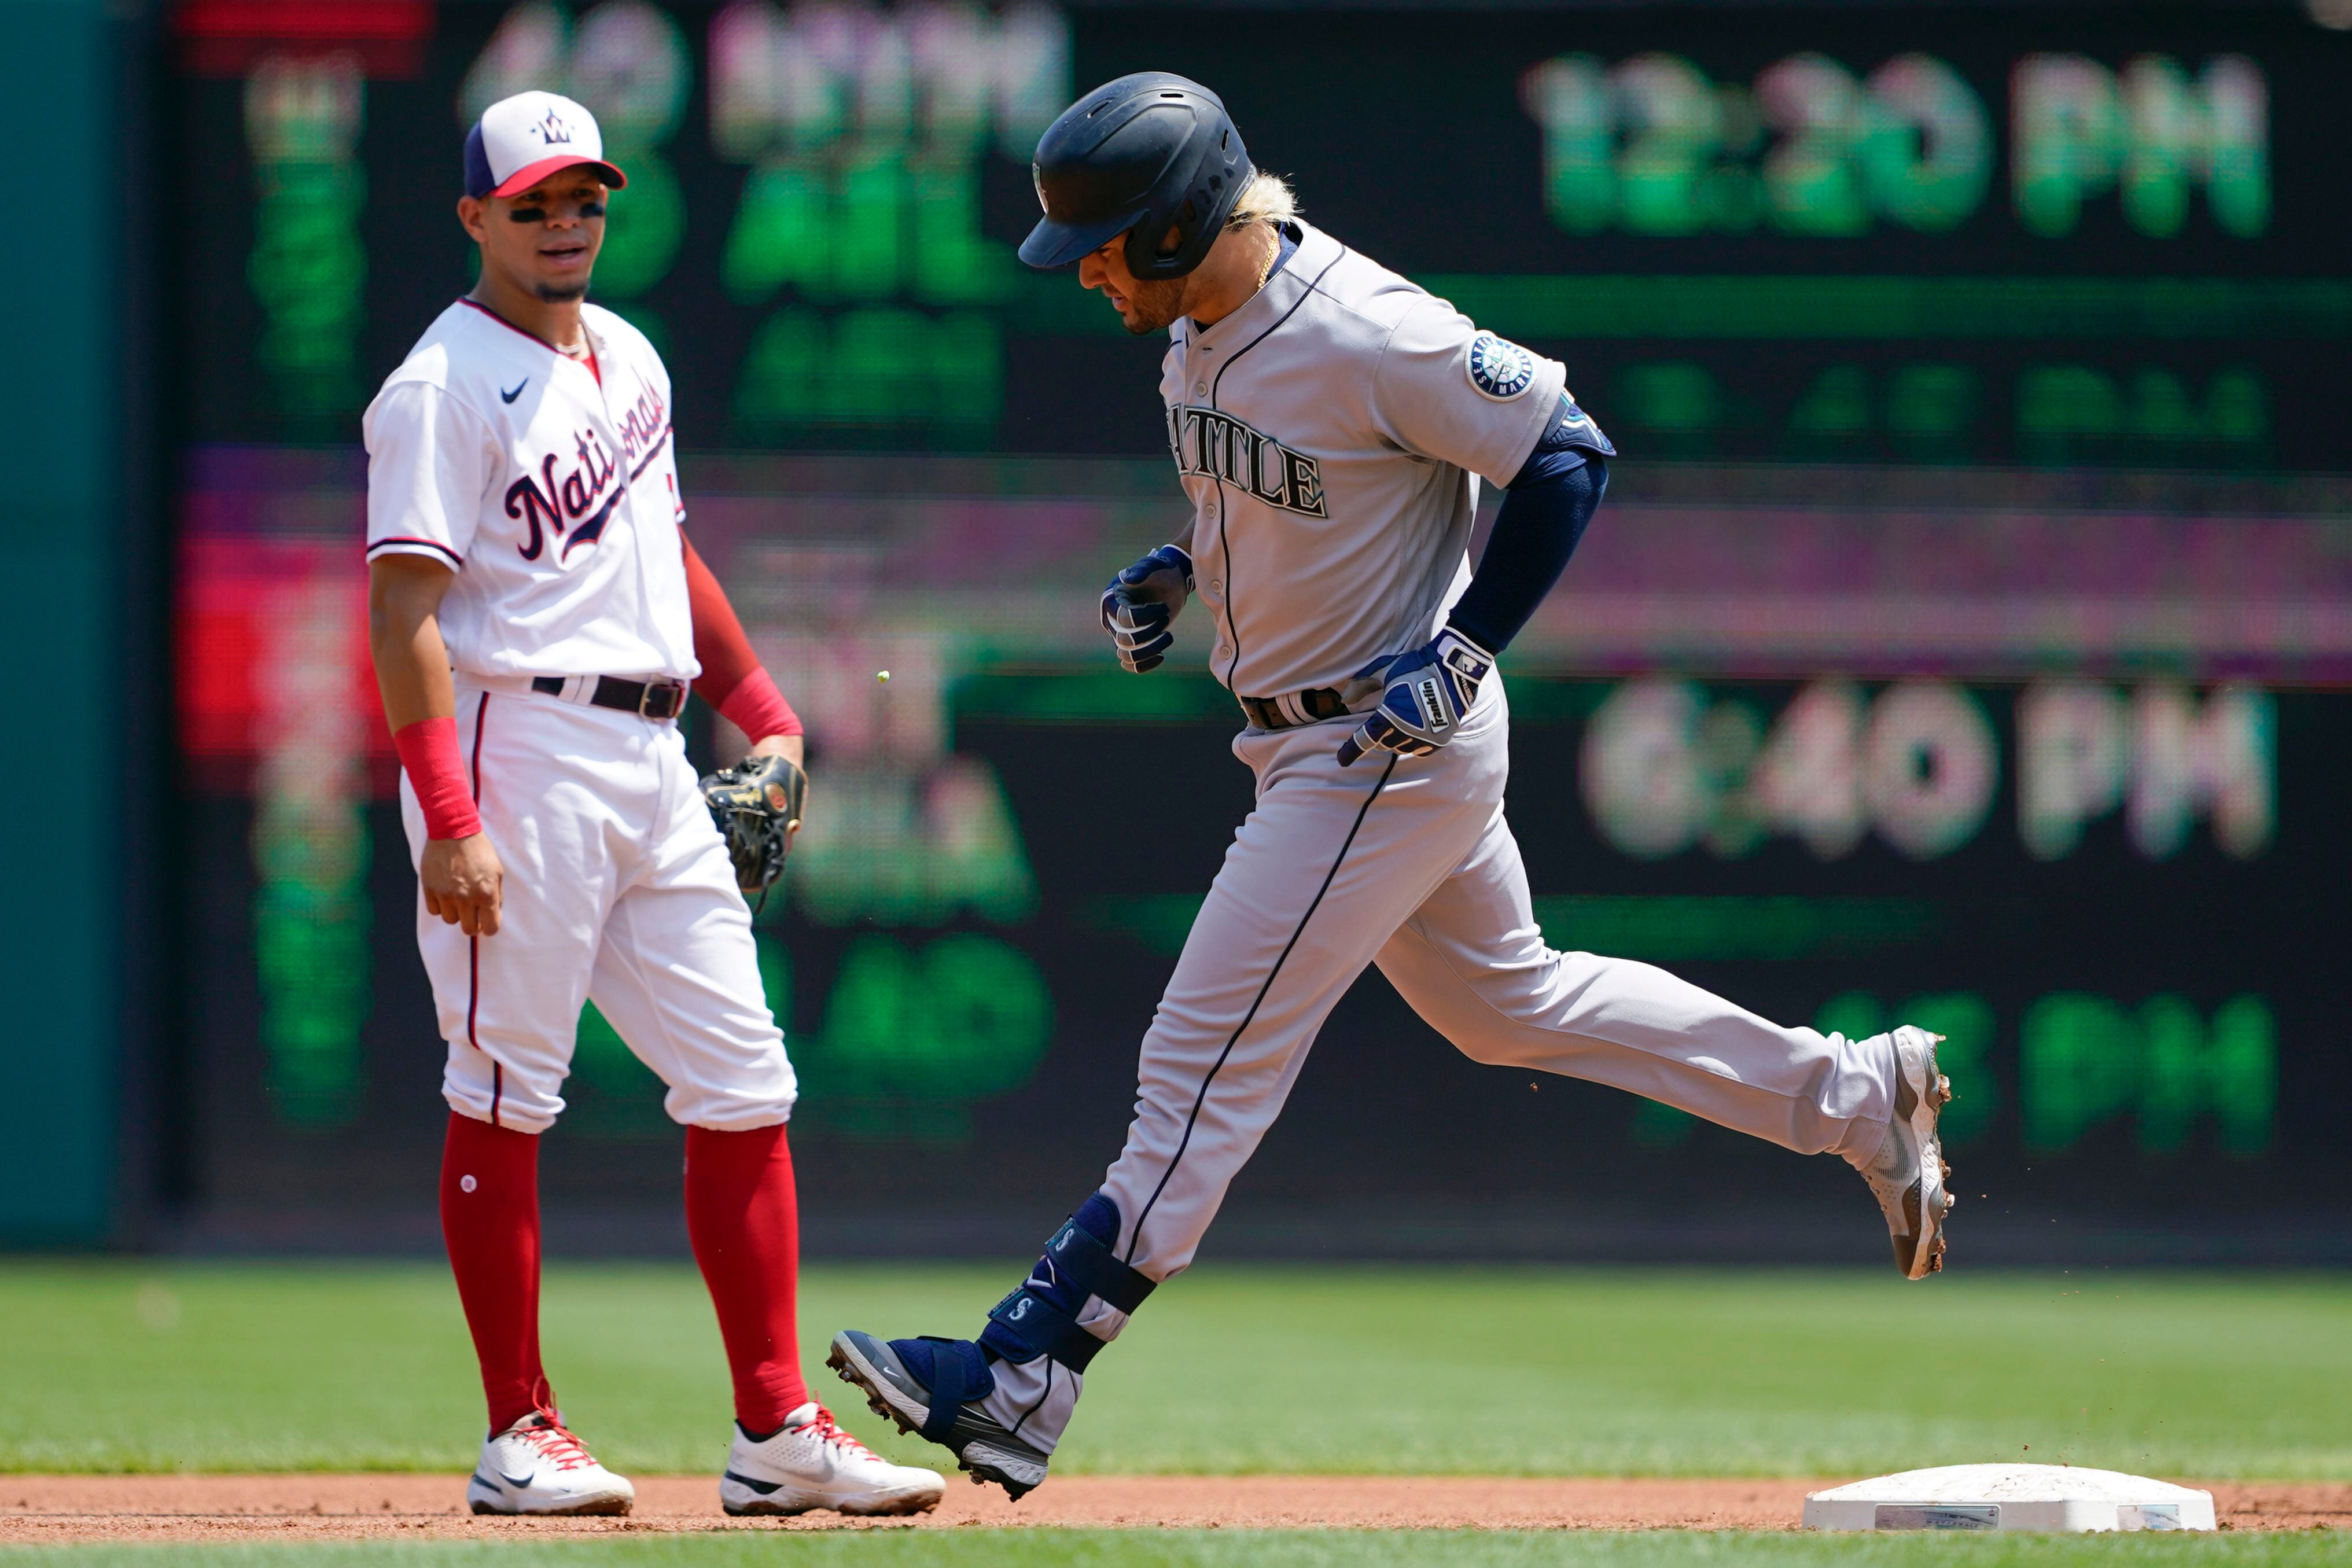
(551, 1441)
(827, 1431)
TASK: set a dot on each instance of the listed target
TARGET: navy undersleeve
(1543, 517)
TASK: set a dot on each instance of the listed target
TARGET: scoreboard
(1966, 640)
(2058, 235)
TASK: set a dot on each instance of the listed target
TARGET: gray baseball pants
(1407, 863)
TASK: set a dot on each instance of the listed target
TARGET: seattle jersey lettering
(1206, 441)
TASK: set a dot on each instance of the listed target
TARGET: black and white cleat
(982, 1444)
(1909, 1175)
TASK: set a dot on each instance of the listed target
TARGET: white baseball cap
(520, 141)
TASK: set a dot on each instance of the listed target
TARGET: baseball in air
(883, 676)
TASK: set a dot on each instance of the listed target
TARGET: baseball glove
(757, 806)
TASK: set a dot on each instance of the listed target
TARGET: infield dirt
(162, 1509)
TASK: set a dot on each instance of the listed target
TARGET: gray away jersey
(1330, 433)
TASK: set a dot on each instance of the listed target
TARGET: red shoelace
(554, 1444)
(825, 1429)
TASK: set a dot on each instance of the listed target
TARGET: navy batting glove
(1429, 691)
(1140, 603)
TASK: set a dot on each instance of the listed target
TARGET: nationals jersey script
(1329, 433)
(553, 494)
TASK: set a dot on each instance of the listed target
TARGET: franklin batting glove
(1429, 691)
(1140, 603)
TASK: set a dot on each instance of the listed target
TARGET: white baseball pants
(618, 890)
(1408, 863)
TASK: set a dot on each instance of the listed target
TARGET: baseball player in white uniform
(537, 618)
(1331, 422)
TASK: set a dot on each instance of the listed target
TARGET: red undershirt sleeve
(437, 772)
(731, 681)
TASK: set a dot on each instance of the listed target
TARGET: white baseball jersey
(553, 494)
(1330, 433)
(551, 488)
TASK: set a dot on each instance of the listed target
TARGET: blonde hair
(1267, 198)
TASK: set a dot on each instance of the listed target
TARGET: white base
(2008, 1496)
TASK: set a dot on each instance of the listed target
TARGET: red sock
(489, 1216)
(743, 1216)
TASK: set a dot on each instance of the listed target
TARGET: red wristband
(428, 750)
(758, 709)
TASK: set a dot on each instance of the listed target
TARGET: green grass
(1249, 1549)
(1486, 1371)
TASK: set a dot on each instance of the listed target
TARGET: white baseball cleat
(1909, 1175)
(812, 1463)
(535, 1466)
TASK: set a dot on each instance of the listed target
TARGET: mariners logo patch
(1498, 368)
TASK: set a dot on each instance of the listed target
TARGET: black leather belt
(1309, 707)
(653, 698)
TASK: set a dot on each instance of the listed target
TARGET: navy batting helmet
(1138, 156)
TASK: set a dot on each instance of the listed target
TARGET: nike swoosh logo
(518, 1482)
(505, 396)
(765, 1488)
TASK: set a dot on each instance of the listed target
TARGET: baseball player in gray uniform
(1331, 423)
